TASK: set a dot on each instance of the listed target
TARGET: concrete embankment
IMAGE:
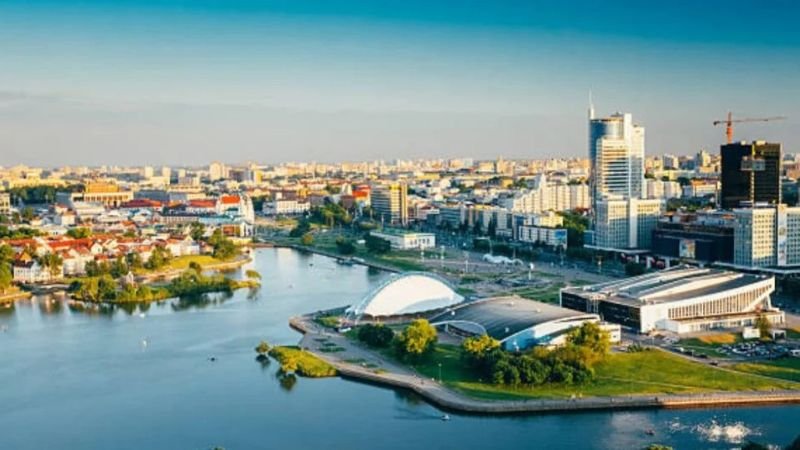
(402, 377)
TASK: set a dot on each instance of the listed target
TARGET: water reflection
(200, 301)
(286, 381)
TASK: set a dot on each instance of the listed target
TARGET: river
(116, 379)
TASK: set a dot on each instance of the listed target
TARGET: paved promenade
(362, 364)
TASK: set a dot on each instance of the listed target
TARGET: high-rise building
(390, 203)
(616, 156)
(751, 172)
(766, 236)
(623, 218)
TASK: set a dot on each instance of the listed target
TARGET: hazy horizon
(187, 82)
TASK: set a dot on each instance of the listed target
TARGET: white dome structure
(408, 293)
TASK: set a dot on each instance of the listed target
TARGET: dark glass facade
(751, 172)
(700, 243)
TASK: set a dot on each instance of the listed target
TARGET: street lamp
(440, 372)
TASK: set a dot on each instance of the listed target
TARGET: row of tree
(570, 363)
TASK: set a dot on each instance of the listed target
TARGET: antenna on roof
(591, 105)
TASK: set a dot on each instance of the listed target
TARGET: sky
(185, 82)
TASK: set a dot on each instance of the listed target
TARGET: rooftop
(503, 317)
(675, 284)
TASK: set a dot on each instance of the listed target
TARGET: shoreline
(145, 279)
(449, 399)
(336, 256)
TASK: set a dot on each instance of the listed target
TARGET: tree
(224, 248)
(158, 258)
(197, 230)
(303, 227)
(345, 246)
(252, 274)
(377, 245)
(476, 348)
(375, 335)
(79, 233)
(764, 327)
(417, 339)
(591, 342)
(307, 239)
(262, 348)
(6, 276)
(28, 214)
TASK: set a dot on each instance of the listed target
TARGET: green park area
(639, 373)
(584, 366)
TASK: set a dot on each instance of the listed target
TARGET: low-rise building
(406, 240)
(682, 299)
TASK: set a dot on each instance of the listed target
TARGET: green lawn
(648, 372)
(786, 368)
(182, 262)
(548, 294)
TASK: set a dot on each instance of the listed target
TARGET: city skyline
(133, 83)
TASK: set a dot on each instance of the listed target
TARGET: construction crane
(730, 121)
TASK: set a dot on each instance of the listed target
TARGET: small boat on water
(445, 417)
(650, 432)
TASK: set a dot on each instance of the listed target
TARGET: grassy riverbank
(647, 372)
(786, 368)
(302, 362)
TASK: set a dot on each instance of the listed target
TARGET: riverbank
(330, 254)
(358, 363)
(11, 297)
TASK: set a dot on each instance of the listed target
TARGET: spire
(591, 106)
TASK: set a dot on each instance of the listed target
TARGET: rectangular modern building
(681, 300)
(751, 172)
(406, 240)
(390, 203)
(767, 236)
(625, 224)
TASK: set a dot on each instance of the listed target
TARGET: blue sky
(186, 82)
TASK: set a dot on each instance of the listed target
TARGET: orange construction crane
(730, 121)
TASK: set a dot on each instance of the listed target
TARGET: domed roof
(407, 293)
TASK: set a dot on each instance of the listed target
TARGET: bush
(375, 335)
(377, 245)
(345, 246)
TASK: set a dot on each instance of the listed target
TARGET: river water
(116, 379)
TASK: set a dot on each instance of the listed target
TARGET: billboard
(686, 248)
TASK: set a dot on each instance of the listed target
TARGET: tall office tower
(616, 156)
(623, 219)
(751, 172)
(166, 172)
(390, 203)
(766, 236)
